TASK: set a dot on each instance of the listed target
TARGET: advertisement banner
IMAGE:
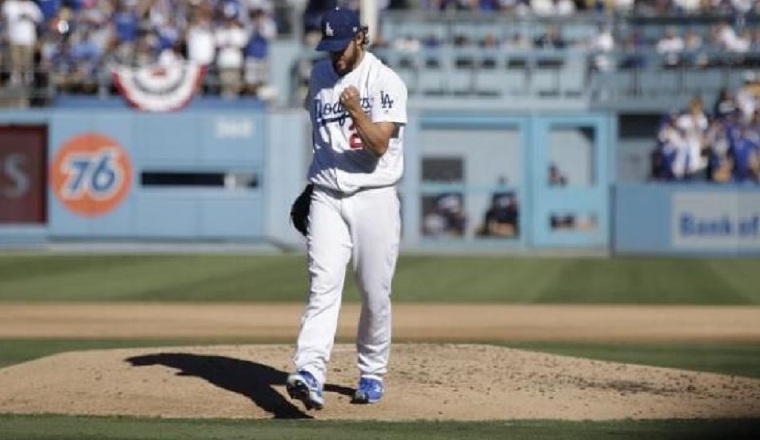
(91, 174)
(22, 175)
(716, 221)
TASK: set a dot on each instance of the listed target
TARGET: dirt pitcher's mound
(451, 382)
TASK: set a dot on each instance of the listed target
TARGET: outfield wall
(229, 175)
(687, 219)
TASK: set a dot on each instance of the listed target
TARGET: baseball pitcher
(358, 114)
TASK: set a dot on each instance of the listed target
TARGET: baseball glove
(299, 211)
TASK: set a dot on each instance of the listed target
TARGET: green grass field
(519, 280)
(96, 428)
(153, 277)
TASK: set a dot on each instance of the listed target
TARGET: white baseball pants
(364, 228)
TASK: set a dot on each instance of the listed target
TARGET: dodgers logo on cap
(339, 27)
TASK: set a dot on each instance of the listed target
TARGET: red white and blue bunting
(159, 88)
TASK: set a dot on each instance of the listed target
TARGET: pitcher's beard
(340, 67)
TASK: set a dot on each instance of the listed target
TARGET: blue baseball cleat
(302, 386)
(369, 390)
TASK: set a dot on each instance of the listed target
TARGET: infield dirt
(427, 381)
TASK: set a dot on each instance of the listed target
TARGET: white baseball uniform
(354, 216)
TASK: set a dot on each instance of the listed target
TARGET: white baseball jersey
(340, 162)
(346, 224)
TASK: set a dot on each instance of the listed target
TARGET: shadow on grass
(253, 380)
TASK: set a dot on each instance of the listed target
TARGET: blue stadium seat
(544, 82)
(489, 82)
(431, 80)
(572, 77)
(460, 69)
(516, 76)
(409, 76)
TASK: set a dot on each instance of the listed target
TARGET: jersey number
(354, 141)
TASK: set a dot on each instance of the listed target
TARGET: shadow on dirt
(253, 380)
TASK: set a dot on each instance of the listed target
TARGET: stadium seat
(460, 71)
(545, 81)
(572, 77)
(409, 75)
(432, 80)
(516, 76)
(489, 81)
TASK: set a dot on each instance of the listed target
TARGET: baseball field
(162, 345)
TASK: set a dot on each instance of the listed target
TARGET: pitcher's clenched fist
(350, 100)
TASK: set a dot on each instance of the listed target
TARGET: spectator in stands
(397, 4)
(693, 53)
(687, 6)
(670, 47)
(145, 53)
(553, 7)
(693, 126)
(724, 105)
(754, 44)
(312, 19)
(96, 17)
(21, 18)
(126, 22)
(201, 48)
(490, 45)
(57, 60)
(633, 47)
(502, 217)
(442, 5)
(747, 95)
(263, 30)
(463, 57)
(86, 59)
(163, 13)
(171, 56)
(744, 152)
(650, 8)
(249, 7)
(447, 217)
(550, 39)
(742, 7)
(723, 37)
(518, 41)
(718, 163)
(621, 6)
(602, 44)
(230, 39)
(169, 33)
(407, 44)
(741, 43)
(671, 145)
(489, 5)
(556, 179)
(49, 8)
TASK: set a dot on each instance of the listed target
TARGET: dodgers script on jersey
(340, 162)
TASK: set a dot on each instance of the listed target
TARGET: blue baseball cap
(339, 27)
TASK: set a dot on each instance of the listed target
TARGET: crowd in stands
(721, 144)
(556, 7)
(69, 43)
(724, 42)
